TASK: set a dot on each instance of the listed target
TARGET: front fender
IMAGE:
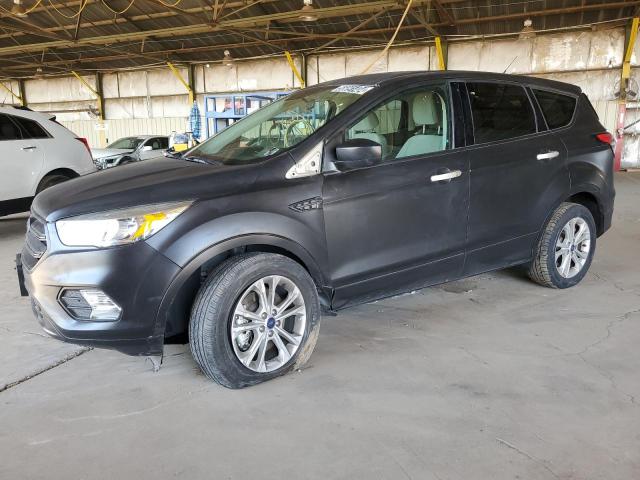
(178, 298)
(189, 236)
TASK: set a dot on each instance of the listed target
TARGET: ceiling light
(39, 72)
(307, 12)
(228, 59)
(528, 30)
(18, 8)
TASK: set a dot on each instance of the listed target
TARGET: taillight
(85, 142)
(605, 137)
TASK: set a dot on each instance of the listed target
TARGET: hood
(163, 180)
(108, 152)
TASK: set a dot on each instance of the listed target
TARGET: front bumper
(134, 276)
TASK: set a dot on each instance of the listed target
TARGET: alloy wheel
(572, 247)
(268, 323)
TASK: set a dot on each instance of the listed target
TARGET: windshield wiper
(209, 161)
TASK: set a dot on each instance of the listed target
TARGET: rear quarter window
(31, 128)
(557, 108)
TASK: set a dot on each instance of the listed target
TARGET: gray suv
(341, 193)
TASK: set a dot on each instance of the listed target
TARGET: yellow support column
(177, 74)
(622, 94)
(294, 69)
(441, 56)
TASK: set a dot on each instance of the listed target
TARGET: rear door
(396, 225)
(518, 174)
(21, 157)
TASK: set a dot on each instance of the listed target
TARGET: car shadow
(13, 225)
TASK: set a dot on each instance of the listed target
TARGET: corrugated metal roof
(153, 31)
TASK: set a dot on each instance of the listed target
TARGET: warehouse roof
(57, 36)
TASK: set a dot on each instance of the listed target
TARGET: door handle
(33, 147)
(548, 155)
(446, 176)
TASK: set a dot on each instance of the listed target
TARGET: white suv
(36, 152)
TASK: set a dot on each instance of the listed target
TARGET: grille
(35, 243)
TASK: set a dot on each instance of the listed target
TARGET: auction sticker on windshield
(357, 89)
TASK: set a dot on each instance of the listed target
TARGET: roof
(388, 77)
(25, 112)
(106, 35)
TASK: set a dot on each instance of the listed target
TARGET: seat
(425, 114)
(366, 127)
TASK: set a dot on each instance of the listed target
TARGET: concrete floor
(492, 377)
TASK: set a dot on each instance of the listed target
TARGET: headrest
(425, 109)
(367, 124)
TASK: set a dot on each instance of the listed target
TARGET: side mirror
(147, 148)
(358, 153)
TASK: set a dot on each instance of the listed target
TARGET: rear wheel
(256, 317)
(566, 248)
(51, 180)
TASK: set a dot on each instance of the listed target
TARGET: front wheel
(565, 250)
(256, 317)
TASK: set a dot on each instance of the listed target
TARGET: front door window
(413, 123)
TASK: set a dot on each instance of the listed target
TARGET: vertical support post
(184, 82)
(441, 53)
(191, 80)
(23, 94)
(294, 69)
(304, 72)
(101, 115)
(622, 95)
(99, 100)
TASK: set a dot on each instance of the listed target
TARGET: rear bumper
(134, 276)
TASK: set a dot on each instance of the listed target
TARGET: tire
(227, 291)
(558, 261)
(125, 161)
(51, 180)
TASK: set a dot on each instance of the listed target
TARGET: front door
(518, 175)
(400, 224)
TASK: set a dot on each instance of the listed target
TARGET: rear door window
(557, 108)
(30, 128)
(500, 111)
(8, 129)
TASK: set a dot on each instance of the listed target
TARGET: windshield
(280, 125)
(128, 143)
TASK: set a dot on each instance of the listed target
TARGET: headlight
(117, 227)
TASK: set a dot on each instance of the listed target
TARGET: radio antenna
(508, 66)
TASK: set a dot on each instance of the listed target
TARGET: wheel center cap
(271, 322)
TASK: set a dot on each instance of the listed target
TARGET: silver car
(129, 150)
